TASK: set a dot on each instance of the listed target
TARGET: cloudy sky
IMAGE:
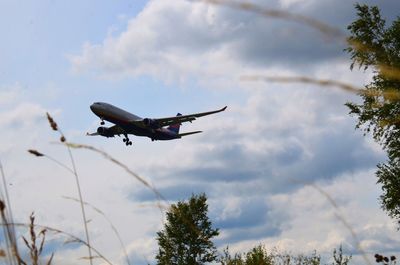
(270, 164)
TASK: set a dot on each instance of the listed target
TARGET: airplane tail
(175, 127)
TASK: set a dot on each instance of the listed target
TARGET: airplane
(128, 123)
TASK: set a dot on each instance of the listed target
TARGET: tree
(338, 257)
(227, 259)
(258, 256)
(186, 237)
(374, 45)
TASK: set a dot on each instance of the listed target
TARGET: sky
(270, 165)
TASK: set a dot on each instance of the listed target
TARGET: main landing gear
(102, 122)
(126, 140)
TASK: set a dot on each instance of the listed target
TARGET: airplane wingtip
(224, 108)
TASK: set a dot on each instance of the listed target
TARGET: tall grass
(162, 203)
(55, 127)
(109, 222)
(327, 30)
(11, 253)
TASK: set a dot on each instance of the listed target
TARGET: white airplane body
(128, 123)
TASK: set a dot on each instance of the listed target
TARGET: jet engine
(104, 131)
(153, 124)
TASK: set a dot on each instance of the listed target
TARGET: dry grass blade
(43, 234)
(386, 70)
(389, 95)
(274, 13)
(115, 161)
(13, 255)
(38, 154)
(109, 221)
(73, 172)
(390, 72)
(55, 127)
(35, 152)
(85, 222)
(50, 259)
(339, 215)
(33, 250)
(52, 123)
(70, 236)
(304, 79)
(92, 257)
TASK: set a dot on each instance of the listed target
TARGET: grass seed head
(35, 152)
(53, 124)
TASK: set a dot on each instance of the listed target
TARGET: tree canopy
(186, 237)
(374, 45)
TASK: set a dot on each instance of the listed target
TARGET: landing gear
(102, 122)
(126, 140)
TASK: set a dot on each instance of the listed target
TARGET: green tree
(377, 46)
(227, 259)
(186, 237)
(301, 259)
(256, 256)
(338, 257)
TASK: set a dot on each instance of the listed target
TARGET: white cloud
(176, 41)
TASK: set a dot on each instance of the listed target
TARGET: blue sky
(255, 161)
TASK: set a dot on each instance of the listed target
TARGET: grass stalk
(81, 203)
(9, 231)
(110, 223)
(125, 167)
(71, 237)
(74, 171)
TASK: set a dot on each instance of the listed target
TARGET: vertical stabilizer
(175, 127)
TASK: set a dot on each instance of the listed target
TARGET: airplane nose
(95, 107)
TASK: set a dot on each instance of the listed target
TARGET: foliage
(338, 257)
(227, 259)
(259, 256)
(375, 46)
(256, 256)
(385, 260)
(186, 237)
(287, 259)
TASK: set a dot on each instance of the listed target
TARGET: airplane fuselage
(166, 128)
(130, 122)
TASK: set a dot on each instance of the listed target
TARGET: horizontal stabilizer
(188, 133)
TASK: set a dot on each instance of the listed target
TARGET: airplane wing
(184, 118)
(108, 132)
